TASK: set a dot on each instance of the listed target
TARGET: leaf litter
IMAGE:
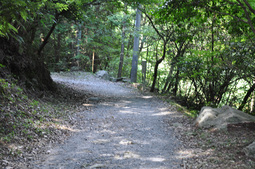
(30, 127)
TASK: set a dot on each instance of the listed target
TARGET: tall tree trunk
(136, 47)
(78, 44)
(122, 48)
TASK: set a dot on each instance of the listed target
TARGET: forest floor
(113, 125)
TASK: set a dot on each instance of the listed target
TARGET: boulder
(219, 118)
(250, 150)
(116, 79)
(103, 74)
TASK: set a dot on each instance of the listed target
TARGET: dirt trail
(124, 129)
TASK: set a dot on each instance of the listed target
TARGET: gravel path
(123, 129)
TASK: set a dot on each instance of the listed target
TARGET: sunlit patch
(57, 120)
(125, 142)
(14, 147)
(63, 127)
(128, 112)
(107, 155)
(88, 105)
(162, 113)
(127, 154)
(45, 125)
(164, 109)
(156, 159)
(189, 153)
(101, 141)
(186, 154)
(147, 97)
(130, 154)
(108, 131)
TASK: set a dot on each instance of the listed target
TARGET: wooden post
(93, 62)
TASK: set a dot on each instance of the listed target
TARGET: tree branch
(249, 6)
(48, 35)
(154, 27)
(247, 16)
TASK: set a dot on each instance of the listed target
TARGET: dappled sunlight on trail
(124, 129)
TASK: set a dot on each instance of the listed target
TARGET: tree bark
(136, 47)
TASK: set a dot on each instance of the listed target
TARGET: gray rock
(250, 150)
(177, 125)
(219, 118)
(126, 80)
(116, 79)
(103, 74)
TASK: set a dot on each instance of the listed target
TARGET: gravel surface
(101, 124)
(123, 129)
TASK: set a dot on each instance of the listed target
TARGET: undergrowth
(22, 119)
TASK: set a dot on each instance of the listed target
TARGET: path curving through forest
(124, 129)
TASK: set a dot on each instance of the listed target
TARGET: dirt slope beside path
(123, 130)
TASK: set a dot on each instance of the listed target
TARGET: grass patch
(180, 108)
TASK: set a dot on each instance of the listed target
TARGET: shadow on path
(124, 130)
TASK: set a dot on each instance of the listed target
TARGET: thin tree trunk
(155, 76)
(249, 92)
(156, 68)
(48, 35)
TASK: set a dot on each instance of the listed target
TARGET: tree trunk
(176, 82)
(156, 68)
(45, 41)
(136, 47)
(122, 49)
(169, 76)
(249, 92)
(155, 76)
